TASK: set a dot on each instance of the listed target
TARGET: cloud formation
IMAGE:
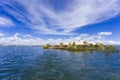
(27, 39)
(105, 33)
(1, 34)
(41, 16)
(6, 22)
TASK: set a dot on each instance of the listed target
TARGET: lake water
(35, 63)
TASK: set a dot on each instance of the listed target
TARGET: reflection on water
(35, 63)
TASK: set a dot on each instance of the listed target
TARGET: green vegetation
(110, 48)
(83, 47)
(47, 46)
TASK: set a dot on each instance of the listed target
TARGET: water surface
(35, 63)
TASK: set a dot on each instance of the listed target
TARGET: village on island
(82, 46)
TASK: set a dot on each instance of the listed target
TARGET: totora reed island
(83, 46)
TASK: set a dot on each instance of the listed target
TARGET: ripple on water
(35, 63)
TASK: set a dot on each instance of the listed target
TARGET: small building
(79, 43)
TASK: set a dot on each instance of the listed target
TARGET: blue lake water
(35, 63)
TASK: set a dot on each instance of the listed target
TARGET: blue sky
(34, 22)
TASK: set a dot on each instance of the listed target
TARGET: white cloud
(16, 40)
(1, 34)
(113, 42)
(6, 22)
(75, 15)
(105, 33)
(27, 39)
(86, 12)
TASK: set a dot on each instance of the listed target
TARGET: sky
(38, 22)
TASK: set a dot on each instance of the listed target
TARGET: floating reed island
(83, 46)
